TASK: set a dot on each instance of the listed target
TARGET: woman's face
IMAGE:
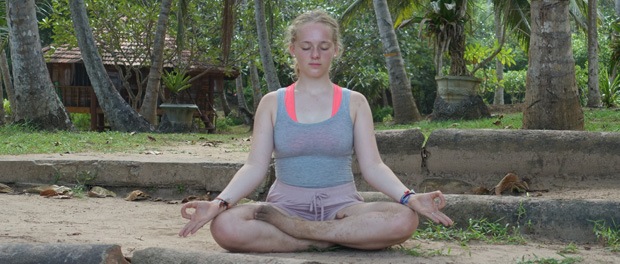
(314, 50)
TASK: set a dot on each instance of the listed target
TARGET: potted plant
(457, 92)
(177, 117)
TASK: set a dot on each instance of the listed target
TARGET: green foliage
(7, 107)
(417, 251)
(83, 180)
(581, 76)
(226, 124)
(81, 121)
(480, 230)
(475, 53)
(564, 260)
(514, 85)
(176, 80)
(609, 89)
(381, 114)
(608, 235)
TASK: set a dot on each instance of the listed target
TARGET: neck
(308, 85)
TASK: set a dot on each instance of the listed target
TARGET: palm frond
(357, 7)
(515, 15)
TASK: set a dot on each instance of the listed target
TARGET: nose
(314, 54)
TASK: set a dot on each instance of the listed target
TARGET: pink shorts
(312, 204)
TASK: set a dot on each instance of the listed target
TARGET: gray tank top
(314, 155)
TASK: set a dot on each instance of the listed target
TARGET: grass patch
(564, 260)
(608, 235)
(477, 230)
(21, 139)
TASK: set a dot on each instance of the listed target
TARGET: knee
(406, 222)
(224, 232)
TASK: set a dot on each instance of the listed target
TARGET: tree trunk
(151, 96)
(219, 84)
(228, 25)
(551, 99)
(405, 109)
(498, 97)
(242, 106)
(594, 94)
(263, 45)
(36, 101)
(456, 48)
(120, 115)
(258, 95)
(618, 8)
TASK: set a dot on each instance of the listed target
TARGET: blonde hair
(314, 16)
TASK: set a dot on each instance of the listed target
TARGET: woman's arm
(253, 172)
(374, 171)
(246, 179)
(379, 175)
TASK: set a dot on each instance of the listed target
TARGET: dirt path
(139, 225)
(135, 226)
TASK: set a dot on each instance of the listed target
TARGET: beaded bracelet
(405, 198)
(223, 203)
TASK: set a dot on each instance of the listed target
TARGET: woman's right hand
(204, 211)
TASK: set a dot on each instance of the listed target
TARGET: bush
(7, 107)
(81, 121)
(381, 114)
(514, 85)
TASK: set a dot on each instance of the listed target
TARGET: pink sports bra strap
(289, 100)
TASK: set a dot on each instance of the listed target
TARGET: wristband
(223, 203)
(405, 198)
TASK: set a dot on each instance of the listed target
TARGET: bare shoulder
(358, 98)
(269, 101)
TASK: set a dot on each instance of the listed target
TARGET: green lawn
(16, 139)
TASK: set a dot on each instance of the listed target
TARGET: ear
(291, 50)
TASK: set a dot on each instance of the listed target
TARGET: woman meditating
(312, 129)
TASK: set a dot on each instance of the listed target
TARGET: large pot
(454, 89)
(458, 98)
(178, 117)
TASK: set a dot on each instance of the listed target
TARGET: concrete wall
(452, 160)
(455, 161)
(547, 158)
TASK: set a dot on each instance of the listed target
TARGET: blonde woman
(312, 129)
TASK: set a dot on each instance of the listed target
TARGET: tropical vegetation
(198, 27)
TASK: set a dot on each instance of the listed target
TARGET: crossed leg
(263, 228)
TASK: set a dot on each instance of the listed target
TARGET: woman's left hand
(429, 204)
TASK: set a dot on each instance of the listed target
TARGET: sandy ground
(138, 225)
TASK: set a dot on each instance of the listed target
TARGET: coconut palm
(405, 109)
(36, 101)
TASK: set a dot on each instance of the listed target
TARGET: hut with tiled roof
(68, 73)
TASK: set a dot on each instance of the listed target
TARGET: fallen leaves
(512, 183)
(5, 188)
(137, 195)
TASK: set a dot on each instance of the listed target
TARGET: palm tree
(594, 94)
(36, 101)
(405, 109)
(149, 105)
(551, 100)
(263, 44)
(121, 116)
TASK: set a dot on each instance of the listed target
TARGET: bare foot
(286, 224)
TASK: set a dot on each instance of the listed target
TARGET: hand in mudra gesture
(429, 205)
(203, 213)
